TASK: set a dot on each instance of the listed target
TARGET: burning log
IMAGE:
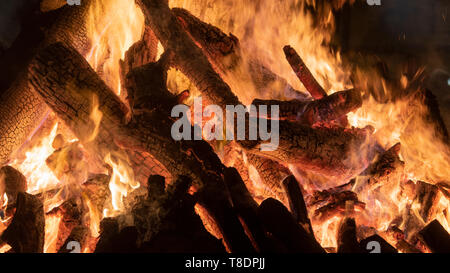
(224, 53)
(166, 221)
(247, 210)
(297, 143)
(21, 109)
(318, 149)
(280, 222)
(71, 212)
(25, 234)
(12, 182)
(297, 203)
(347, 242)
(271, 173)
(142, 52)
(188, 58)
(401, 245)
(303, 73)
(337, 205)
(435, 237)
(428, 196)
(386, 169)
(149, 132)
(321, 112)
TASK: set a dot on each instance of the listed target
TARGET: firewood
(435, 237)
(427, 196)
(225, 54)
(142, 52)
(148, 132)
(281, 224)
(247, 210)
(398, 236)
(337, 205)
(321, 112)
(303, 73)
(271, 174)
(168, 222)
(25, 234)
(385, 247)
(12, 182)
(347, 242)
(322, 150)
(71, 213)
(190, 60)
(297, 203)
(386, 169)
(21, 109)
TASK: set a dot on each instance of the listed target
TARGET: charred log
(26, 232)
(168, 223)
(435, 237)
(297, 203)
(247, 210)
(224, 53)
(347, 242)
(54, 69)
(281, 224)
(321, 112)
(303, 73)
(19, 104)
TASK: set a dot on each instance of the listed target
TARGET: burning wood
(303, 73)
(124, 184)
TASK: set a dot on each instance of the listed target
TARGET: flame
(96, 117)
(112, 26)
(34, 167)
(122, 181)
(52, 223)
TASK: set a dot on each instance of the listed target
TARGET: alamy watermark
(74, 2)
(374, 2)
(213, 129)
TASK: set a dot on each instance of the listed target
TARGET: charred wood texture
(247, 210)
(321, 149)
(303, 73)
(297, 203)
(281, 224)
(321, 112)
(225, 54)
(188, 57)
(386, 169)
(337, 205)
(21, 109)
(26, 232)
(67, 84)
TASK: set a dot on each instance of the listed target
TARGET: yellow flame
(112, 27)
(122, 181)
(34, 167)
